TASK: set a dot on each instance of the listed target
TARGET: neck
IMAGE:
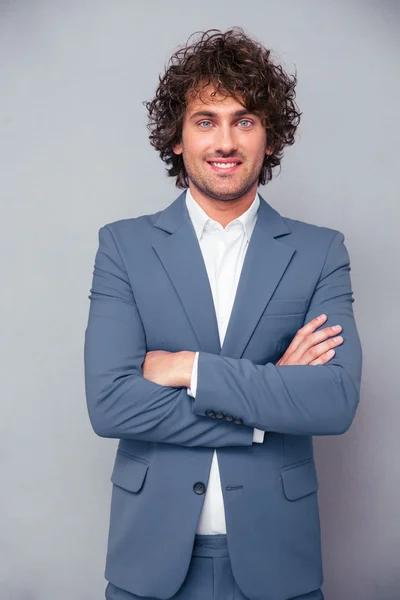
(223, 211)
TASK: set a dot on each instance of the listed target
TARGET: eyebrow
(208, 113)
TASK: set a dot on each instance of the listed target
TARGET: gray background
(75, 154)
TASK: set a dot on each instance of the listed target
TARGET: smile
(227, 167)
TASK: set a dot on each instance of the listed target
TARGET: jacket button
(238, 421)
(199, 487)
(228, 418)
(219, 415)
(210, 413)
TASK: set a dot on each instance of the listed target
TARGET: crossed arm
(121, 402)
(297, 399)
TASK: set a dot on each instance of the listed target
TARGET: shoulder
(133, 228)
(136, 224)
(306, 233)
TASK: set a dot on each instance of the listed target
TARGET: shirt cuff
(193, 381)
(258, 436)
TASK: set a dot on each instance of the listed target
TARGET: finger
(320, 349)
(312, 340)
(324, 358)
(305, 355)
(323, 334)
(304, 331)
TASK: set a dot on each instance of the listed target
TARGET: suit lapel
(181, 256)
(265, 262)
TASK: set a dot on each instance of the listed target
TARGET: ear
(177, 148)
(269, 150)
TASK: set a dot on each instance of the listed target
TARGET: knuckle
(328, 332)
(313, 352)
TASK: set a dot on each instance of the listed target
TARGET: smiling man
(212, 350)
(223, 148)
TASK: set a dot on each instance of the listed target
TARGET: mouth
(224, 166)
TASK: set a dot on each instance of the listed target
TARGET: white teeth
(224, 165)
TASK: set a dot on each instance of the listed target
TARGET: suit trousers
(209, 576)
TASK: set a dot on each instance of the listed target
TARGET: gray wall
(76, 155)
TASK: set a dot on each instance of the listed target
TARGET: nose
(225, 140)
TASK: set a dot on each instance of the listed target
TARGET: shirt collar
(199, 217)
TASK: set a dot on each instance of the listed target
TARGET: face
(218, 128)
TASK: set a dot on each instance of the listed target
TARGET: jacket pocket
(286, 306)
(129, 471)
(300, 479)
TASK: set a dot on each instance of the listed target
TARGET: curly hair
(238, 65)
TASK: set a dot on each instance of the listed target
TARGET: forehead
(221, 102)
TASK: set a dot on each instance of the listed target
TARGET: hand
(308, 348)
(172, 369)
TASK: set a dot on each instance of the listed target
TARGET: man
(211, 351)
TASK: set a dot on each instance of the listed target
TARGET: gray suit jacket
(150, 291)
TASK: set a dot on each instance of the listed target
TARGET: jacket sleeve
(258, 435)
(121, 402)
(294, 399)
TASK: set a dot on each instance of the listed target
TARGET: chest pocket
(277, 327)
(285, 307)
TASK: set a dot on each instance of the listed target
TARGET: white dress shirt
(223, 252)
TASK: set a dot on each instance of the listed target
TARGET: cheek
(195, 156)
(196, 145)
(254, 153)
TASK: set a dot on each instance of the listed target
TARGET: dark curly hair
(238, 65)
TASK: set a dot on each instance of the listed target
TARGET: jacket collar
(266, 260)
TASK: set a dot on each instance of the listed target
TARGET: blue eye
(209, 122)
